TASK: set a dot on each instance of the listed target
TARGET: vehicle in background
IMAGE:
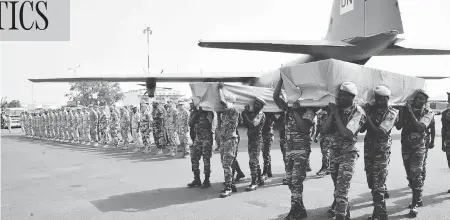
(15, 114)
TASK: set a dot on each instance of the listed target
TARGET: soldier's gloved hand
(431, 146)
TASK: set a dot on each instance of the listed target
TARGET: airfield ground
(49, 180)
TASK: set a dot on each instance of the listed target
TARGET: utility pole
(148, 31)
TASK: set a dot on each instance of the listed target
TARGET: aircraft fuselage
(363, 50)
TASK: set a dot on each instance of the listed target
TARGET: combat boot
(285, 181)
(260, 178)
(297, 212)
(253, 186)
(239, 176)
(413, 206)
(196, 182)
(322, 170)
(264, 174)
(225, 192)
(331, 213)
(206, 183)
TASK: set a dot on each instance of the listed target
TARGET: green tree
(14, 104)
(93, 92)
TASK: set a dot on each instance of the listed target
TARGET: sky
(107, 39)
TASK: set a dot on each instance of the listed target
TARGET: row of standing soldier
(338, 125)
(94, 126)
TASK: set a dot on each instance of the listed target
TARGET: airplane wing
(403, 48)
(304, 47)
(206, 77)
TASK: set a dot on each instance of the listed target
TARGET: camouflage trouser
(80, 133)
(342, 168)
(228, 155)
(376, 167)
(114, 136)
(86, 133)
(283, 146)
(159, 137)
(424, 169)
(124, 133)
(71, 132)
(184, 139)
(47, 129)
(447, 151)
(413, 157)
(296, 173)
(171, 137)
(93, 132)
(235, 165)
(254, 150)
(325, 144)
(76, 135)
(202, 147)
(136, 137)
(103, 136)
(145, 131)
(267, 145)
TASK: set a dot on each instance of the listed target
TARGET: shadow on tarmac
(160, 198)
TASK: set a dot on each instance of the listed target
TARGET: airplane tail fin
(361, 18)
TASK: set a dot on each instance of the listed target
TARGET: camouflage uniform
(183, 128)
(146, 123)
(86, 129)
(283, 146)
(80, 120)
(54, 126)
(298, 145)
(229, 120)
(377, 153)
(103, 127)
(93, 118)
(36, 126)
(114, 128)
(76, 125)
(158, 126)
(70, 125)
(172, 135)
(254, 132)
(413, 150)
(49, 125)
(135, 130)
(446, 133)
(325, 142)
(428, 131)
(343, 157)
(267, 138)
(42, 126)
(124, 126)
(63, 124)
(202, 146)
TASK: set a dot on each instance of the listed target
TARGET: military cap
(349, 87)
(423, 92)
(382, 91)
(259, 99)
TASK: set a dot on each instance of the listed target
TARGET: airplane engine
(150, 85)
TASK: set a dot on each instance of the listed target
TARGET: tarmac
(48, 180)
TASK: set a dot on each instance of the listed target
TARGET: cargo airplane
(357, 31)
